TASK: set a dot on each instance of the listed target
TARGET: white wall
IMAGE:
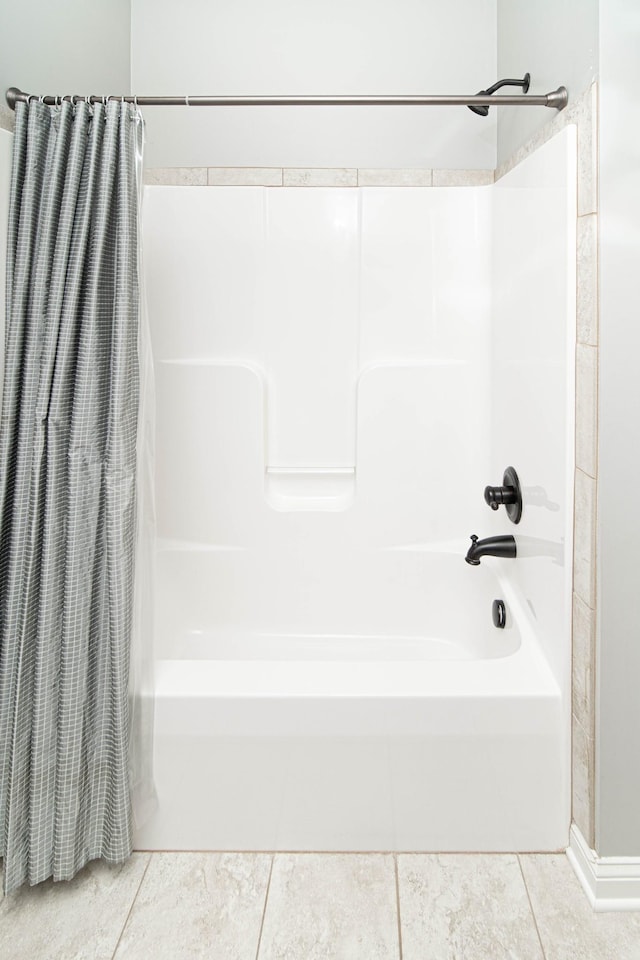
(618, 720)
(557, 43)
(66, 47)
(316, 47)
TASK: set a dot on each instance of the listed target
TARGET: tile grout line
(395, 865)
(533, 913)
(130, 910)
(264, 909)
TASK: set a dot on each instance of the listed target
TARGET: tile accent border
(314, 177)
(584, 113)
(463, 178)
(388, 177)
(243, 176)
(319, 177)
(176, 177)
(610, 883)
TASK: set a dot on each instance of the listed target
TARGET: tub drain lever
(499, 614)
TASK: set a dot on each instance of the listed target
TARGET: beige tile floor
(255, 906)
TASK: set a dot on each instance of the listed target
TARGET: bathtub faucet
(491, 547)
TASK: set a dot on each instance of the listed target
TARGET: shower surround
(340, 372)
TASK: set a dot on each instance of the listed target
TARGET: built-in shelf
(289, 490)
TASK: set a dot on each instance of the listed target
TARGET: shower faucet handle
(495, 496)
(508, 494)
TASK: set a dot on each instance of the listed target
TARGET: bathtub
(450, 738)
(331, 372)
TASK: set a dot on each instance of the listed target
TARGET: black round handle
(508, 494)
(497, 495)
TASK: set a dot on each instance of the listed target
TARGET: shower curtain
(68, 489)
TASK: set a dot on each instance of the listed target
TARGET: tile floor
(228, 906)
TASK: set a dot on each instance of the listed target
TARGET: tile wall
(314, 177)
(584, 620)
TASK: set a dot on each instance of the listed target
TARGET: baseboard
(610, 883)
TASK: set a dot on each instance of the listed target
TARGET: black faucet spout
(490, 547)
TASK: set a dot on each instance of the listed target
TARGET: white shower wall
(323, 399)
(340, 372)
(533, 380)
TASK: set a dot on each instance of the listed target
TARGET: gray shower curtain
(68, 490)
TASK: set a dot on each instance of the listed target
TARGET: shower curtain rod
(557, 99)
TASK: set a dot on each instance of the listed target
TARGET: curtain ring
(186, 100)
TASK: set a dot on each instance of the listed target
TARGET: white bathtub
(453, 739)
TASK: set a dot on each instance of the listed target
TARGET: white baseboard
(610, 883)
